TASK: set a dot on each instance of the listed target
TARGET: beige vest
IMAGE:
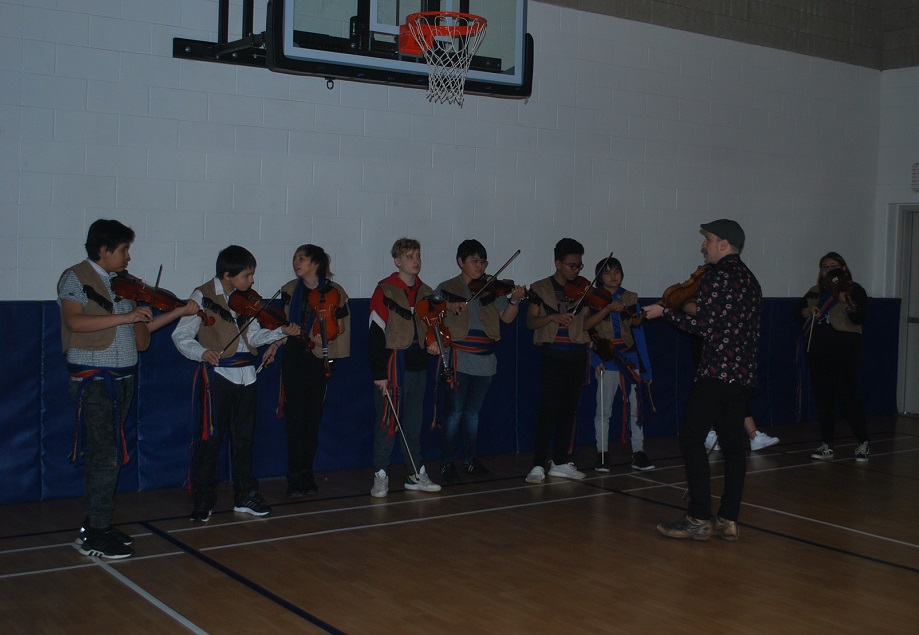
(400, 331)
(546, 334)
(222, 332)
(341, 345)
(605, 328)
(839, 317)
(96, 340)
(459, 324)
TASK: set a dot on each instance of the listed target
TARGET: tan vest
(839, 317)
(459, 324)
(400, 331)
(546, 334)
(341, 345)
(96, 340)
(605, 328)
(222, 332)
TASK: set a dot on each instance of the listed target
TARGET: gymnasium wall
(37, 416)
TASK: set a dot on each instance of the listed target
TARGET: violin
(251, 304)
(431, 310)
(840, 282)
(606, 350)
(498, 287)
(598, 298)
(676, 296)
(324, 303)
(129, 287)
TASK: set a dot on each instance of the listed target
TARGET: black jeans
(562, 378)
(713, 403)
(833, 368)
(304, 397)
(234, 412)
(102, 458)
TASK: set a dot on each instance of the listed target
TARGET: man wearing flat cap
(726, 318)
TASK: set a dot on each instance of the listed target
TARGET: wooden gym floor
(824, 547)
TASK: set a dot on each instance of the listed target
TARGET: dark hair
(568, 246)
(318, 255)
(233, 260)
(404, 245)
(471, 247)
(106, 233)
(611, 264)
(832, 255)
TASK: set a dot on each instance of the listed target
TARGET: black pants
(102, 458)
(833, 367)
(713, 403)
(234, 412)
(304, 397)
(562, 378)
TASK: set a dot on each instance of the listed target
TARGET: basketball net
(448, 42)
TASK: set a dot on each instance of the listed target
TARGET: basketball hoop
(448, 41)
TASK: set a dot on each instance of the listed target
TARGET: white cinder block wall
(634, 135)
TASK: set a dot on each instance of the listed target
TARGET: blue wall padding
(37, 415)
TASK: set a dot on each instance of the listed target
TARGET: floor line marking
(149, 597)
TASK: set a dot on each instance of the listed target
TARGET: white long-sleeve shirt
(186, 332)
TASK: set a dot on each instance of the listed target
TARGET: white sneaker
(762, 440)
(568, 470)
(711, 442)
(421, 482)
(380, 484)
(537, 475)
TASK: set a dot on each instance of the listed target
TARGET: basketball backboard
(360, 40)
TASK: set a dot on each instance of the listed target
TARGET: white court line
(181, 619)
(434, 499)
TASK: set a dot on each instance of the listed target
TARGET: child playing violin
(399, 361)
(304, 372)
(629, 369)
(474, 327)
(227, 353)
(560, 328)
(101, 334)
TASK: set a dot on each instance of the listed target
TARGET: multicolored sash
(85, 375)
(202, 427)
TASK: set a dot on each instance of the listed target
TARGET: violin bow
(494, 277)
(401, 432)
(158, 276)
(249, 321)
(577, 304)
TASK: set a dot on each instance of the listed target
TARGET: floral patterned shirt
(727, 318)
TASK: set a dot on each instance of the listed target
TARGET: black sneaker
(120, 536)
(448, 472)
(253, 504)
(641, 462)
(200, 514)
(102, 543)
(602, 464)
(475, 467)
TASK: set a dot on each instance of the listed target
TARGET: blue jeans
(463, 406)
(411, 409)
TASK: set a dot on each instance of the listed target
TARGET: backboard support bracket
(247, 51)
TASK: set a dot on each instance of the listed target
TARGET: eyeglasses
(830, 267)
(477, 261)
(574, 266)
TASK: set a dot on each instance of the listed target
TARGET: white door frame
(907, 285)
